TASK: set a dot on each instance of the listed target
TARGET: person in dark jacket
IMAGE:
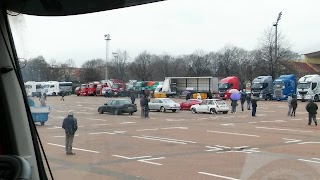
(312, 110)
(142, 105)
(146, 106)
(188, 96)
(234, 105)
(242, 100)
(248, 98)
(294, 105)
(254, 106)
(70, 126)
(133, 97)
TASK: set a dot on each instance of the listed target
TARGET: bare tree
(140, 68)
(92, 70)
(117, 67)
(198, 64)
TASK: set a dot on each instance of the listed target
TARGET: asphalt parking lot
(182, 145)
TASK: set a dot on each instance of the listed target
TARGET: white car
(213, 106)
(163, 104)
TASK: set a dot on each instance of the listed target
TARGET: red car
(77, 91)
(188, 103)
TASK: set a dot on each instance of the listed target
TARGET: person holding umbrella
(235, 96)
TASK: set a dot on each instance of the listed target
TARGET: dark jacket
(254, 103)
(248, 97)
(188, 96)
(312, 108)
(70, 125)
(243, 98)
(294, 103)
(234, 103)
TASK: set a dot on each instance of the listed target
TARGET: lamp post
(115, 55)
(107, 38)
(276, 38)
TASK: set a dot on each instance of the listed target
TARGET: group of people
(311, 108)
(245, 97)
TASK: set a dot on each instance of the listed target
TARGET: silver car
(164, 104)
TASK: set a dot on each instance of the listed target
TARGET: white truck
(51, 88)
(172, 85)
(34, 88)
(308, 87)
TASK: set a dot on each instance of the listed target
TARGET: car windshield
(303, 85)
(161, 51)
(168, 101)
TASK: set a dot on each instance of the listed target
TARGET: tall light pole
(276, 40)
(107, 38)
(115, 55)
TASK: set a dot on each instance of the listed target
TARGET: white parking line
(127, 122)
(175, 119)
(291, 140)
(75, 148)
(150, 159)
(101, 133)
(280, 129)
(227, 124)
(216, 175)
(148, 129)
(309, 143)
(100, 124)
(276, 121)
(124, 157)
(175, 128)
(64, 136)
(96, 119)
(55, 127)
(220, 132)
(316, 160)
(163, 139)
(296, 119)
(59, 117)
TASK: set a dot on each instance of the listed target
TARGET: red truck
(117, 87)
(102, 85)
(225, 84)
(92, 88)
(84, 89)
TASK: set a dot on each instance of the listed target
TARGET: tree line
(229, 60)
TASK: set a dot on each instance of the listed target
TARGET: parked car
(164, 104)
(77, 91)
(118, 106)
(213, 106)
(186, 105)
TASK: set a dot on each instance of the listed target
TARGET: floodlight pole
(107, 38)
(276, 38)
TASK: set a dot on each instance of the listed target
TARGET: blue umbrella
(235, 96)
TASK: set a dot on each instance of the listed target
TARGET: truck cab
(225, 84)
(262, 87)
(284, 86)
(308, 87)
(51, 88)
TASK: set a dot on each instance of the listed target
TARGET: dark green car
(118, 106)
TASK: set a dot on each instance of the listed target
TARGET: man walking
(234, 105)
(70, 126)
(254, 106)
(248, 101)
(312, 110)
(146, 107)
(289, 105)
(294, 105)
(242, 100)
(142, 106)
(133, 97)
(62, 95)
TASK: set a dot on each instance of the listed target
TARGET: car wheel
(225, 112)
(174, 110)
(100, 111)
(162, 109)
(131, 114)
(213, 111)
(53, 94)
(316, 98)
(193, 110)
(116, 112)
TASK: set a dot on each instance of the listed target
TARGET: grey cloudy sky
(175, 26)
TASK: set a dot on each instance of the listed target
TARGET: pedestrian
(254, 106)
(248, 98)
(234, 104)
(70, 125)
(45, 96)
(62, 95)
(198, 96)
(294, 105)
(242, 100)
(40, 95)
(42, 102)
(146, 106)
(133, 97)
(142, 106)
(312, 110)
(188, 96)
(289, 105)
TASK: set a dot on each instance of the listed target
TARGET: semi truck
(284, 86)
(262, 87)
(226, 84)
(172, 85)
(308, 87)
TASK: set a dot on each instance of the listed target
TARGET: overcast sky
(175, 26)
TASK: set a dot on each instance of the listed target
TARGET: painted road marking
(96, 119)
(124, 122)
(84, 112)
(309, 143)
(59, 117)
(260, 115)
(228, 117)
(314, 160)
(150, 159)
(141, 159)
(175, 128)
(101, 133)
(221, 132)
(175, 119)
(100, 124)
(55, 127)
(280, 129)
(203, 118)
(227, 124)
(60, 111)
(242, 116)
(267, 111)
(216, 175)
(148, 129)
(226, 149)
(276, 121)
(86, 150)
(252, 122)
(177, 141)
(291, 140)
(296, 119)
(64, 136)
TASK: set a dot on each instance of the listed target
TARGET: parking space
(182, 145)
